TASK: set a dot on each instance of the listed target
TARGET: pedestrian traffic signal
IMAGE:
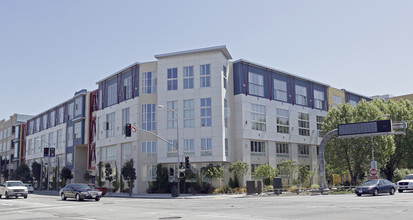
(52, 152)
(46, 152)
(187, 162)
(128, 130)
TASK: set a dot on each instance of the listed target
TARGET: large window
(258, 117)
(256, 84)
(78, 106)
(149, 117)
(300, 95)
(172, 118)
(205, 75)
(283, 122)
(108, 153)
(206, 112)
(125, 118)
(225, 78)
(173, 79)
(283, 149)
(110, 125)
(148, 82)
(70, 111)
(112, 94)
(127, 88)
(30, 150)
(36, 143)
(189, 117)
(280, 90)
(172, 150)
(44, 127)
(188, 77)
(78, 130)
(52, 118)
(51, 139)
(257, 148)
(318, 99)
(189, 147)
(303, 124)
(320, 121)
(149, 149)
(303, 149)
(206, 146)
(337, 100)
(61, 115)
(126, 151)
(59, 139)
(69, 137)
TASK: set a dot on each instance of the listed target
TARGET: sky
(50, 49)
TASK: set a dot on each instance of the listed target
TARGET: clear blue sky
(50, 49)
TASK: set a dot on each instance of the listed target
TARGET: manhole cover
(173, 217)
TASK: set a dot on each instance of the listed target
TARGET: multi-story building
(64, 127)
(12, 144)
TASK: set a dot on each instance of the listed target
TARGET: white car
(29, 187)
(13, 188)
(406, 183)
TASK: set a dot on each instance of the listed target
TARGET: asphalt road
(399, 206)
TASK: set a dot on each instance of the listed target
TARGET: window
(44, 122)
(148, 82)
(70, 111)
(189, 147)
(353, 103)
(205, 73)
(225, 78)
(149, 149)
(173, 79)
(283, 123)
(43, 142)
(256, 84)
(51, 139)
(69, 159)
(226, 147)
(226, 112)
(257, 148)
(52, 118)
(300, 95)
(188, 77)
(149, 117)
(171, 115)
(108, 153)
(206, 146)
(78, 106)
(61, 115)
(127, 88)
(320, 121)
(30, 150)
(303, 124)
(172, 151)
(112, 94)
(78, 130)
(318, 99)
(280, 90)
(303, 149)
(126, 151)
(59, 139)
(37, 125)
(206, 115)
(337, 100)
(110, 125)
(258, 117)
(282, 148)
(189, 117)
(36, 145)
(69, 138)
(149, 172)
(125, 118)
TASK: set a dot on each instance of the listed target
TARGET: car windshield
(409, 177)
(83, 186)
(15, 184)
(370, 183)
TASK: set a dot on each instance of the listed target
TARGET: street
(349, 206)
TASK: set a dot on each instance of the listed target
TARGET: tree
(108, 173)
(22, 173)
(87, 176)
(66, 174)
(213, 172)
(238, 168)
(354, 154)
(129, 173)
(100, 182)
(303, 174)
(36, 170)
(266, 173)
(288, 168)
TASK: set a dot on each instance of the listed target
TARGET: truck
(13, 188)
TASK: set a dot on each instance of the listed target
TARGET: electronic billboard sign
(364, 128)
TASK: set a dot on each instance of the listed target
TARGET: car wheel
(25, 196)
(63, 196)
(97, 199)
(78, 197)
(400, 190)
(7, 196)
(376, 192)
(358, 194)
(392, 191)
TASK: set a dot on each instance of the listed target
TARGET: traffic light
(46, 152)
(187, 162)
(128, 129)
(181, 165)
(181, 174)
(52, 152)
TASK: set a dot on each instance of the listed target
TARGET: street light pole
(177, 143)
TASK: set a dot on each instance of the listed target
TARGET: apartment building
(12, 144)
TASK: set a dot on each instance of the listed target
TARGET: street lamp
(48, 163)
(177, 142)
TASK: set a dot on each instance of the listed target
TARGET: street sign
(363, 128)
(373, 172)
(374, 177)
(134, 128)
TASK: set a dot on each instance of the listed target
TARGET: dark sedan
(375, 187)
(80, 191)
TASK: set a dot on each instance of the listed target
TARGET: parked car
(80, 191)
(29, 187)
(102, 189)
(375, 187)
(406, 183)
(13, 188)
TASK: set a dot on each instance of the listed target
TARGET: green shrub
(399, 174)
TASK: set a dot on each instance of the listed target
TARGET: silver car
(13, 188)
(29, 187)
